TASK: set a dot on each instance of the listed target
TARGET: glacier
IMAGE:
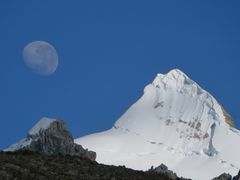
(175, 122)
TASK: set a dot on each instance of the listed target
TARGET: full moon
(41, 57)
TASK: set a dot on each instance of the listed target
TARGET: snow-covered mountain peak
(177, 80)
(175, 122)
(175, 74)
(174, 101)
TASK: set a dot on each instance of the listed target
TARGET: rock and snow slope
(175, 122)
(51, 137)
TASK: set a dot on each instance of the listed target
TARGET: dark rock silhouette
(22, 165)
(226, 176)
(163, 169)
(237, 177)
(223, 176)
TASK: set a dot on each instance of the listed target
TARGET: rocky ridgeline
(22, 165)
(226, 176)
(50, 137)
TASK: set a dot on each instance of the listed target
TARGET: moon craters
(41, 57)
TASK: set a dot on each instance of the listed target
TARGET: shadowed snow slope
(175, 122)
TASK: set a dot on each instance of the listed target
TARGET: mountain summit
(175, 122)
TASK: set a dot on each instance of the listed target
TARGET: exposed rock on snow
(175, 122)
(223, 176)
(51, 136)
(163, 169)
(228, 118)
(237, 177)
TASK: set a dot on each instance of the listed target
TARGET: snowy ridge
(21, 144)
(175, 122)
(41, 125)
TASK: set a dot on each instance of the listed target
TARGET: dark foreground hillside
(24, 165)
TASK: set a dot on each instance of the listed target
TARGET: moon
(41, 57)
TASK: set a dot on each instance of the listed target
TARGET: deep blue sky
(108, 51)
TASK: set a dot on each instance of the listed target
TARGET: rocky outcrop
(163, 169)
(228, 118)
(237, 177)
(226, 176)
(223, 176)
(49, 137)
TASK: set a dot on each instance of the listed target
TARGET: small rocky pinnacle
(55, 139)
